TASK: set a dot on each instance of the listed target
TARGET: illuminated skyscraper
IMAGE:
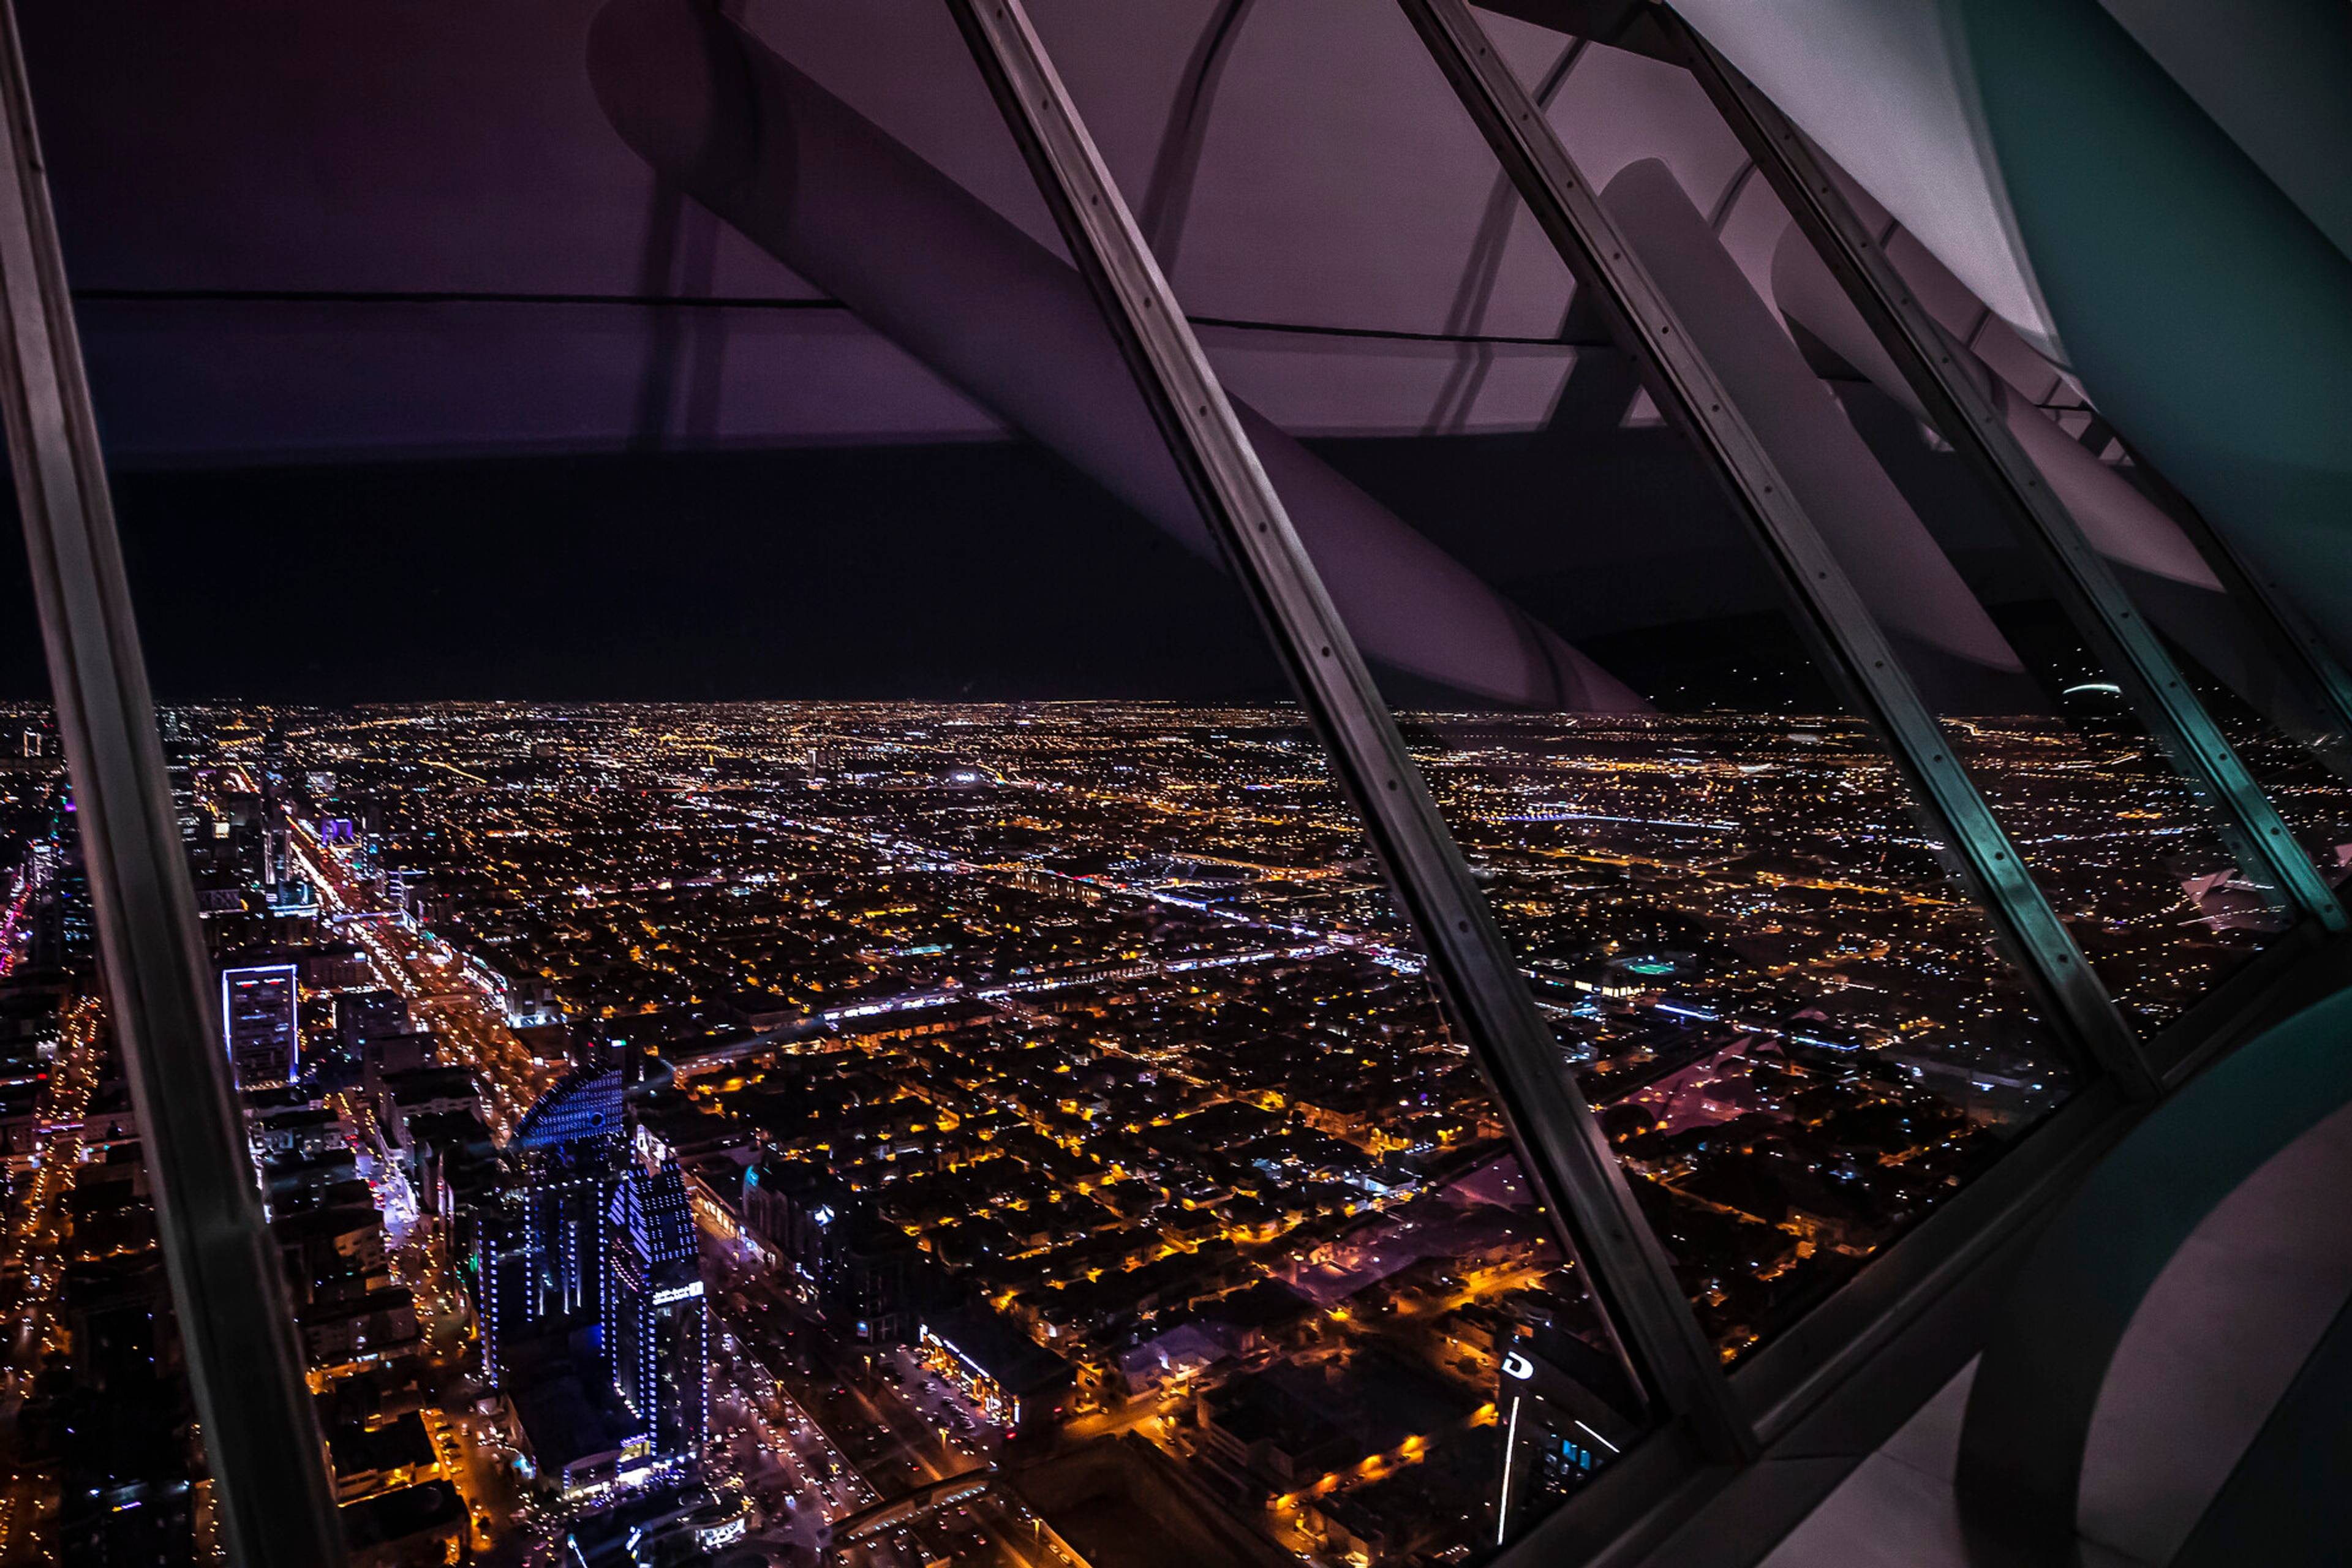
(63, 935)
(538, 1245)
(656, 1326)
(261, 1022)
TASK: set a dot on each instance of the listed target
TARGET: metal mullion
(245, 1369)
(1844, 634)
(1969, 410)
(1559, 1140)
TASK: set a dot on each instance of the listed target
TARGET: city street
(900, 1434)
(32, 1268)
(30, 1265)
(425, 973)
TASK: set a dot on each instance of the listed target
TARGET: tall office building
(537, 1239)
(261, 1022)
(64, 935)
(657, 1327)
(591, 1224)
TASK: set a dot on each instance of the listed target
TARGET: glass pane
(2315, 801)
(1793, 1024)
(2146, 873)
(2127, 850)
(1007, 1003)
(784, 942)
(2231, 650)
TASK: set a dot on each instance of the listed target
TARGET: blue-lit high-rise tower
(538, 1249)
(656, 1325)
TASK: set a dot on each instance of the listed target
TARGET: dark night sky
(991, 570)
(988, 571)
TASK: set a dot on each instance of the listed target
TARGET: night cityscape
(1236, 783)
(897, 1133)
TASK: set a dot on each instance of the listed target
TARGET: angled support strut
(1966, 408)
(1559, 1142)
(1845, 637)
(262, 1436)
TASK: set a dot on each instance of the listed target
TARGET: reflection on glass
(2136, 861)
(1793, 1023)
(2149, 873)
(2239, 661)
(2315, 803)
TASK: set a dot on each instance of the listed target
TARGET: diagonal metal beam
(1968, 408)
(1559, 1140)
(1845, 637)
(262, 1436)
